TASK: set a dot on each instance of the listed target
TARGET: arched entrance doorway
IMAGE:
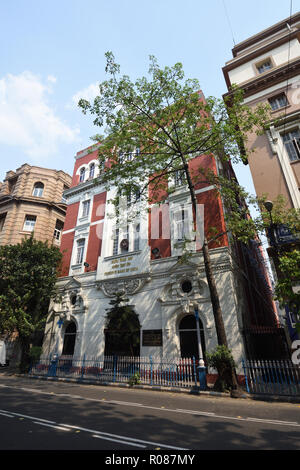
(122, 334)
(188, 337)
(69, 339)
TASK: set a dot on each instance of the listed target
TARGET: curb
(157, 388)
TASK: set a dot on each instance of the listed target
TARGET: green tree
(286, 257)
(154, 127)
(289, 266)
(28, 277)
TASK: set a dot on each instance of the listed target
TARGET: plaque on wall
(152, 337)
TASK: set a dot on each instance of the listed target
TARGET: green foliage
(221, 359)
(28, 277)
(123, 323)
(35, 353)
(135, 379)
(168, 120)
(289, 266)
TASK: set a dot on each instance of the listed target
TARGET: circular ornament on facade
(186, 286)
(124, 244)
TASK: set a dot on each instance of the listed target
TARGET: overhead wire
(228, 21)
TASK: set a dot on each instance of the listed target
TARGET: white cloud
(51, 79)
(89, 93)
(27, 120)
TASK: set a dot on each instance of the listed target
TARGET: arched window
(92, 170)
(122, 332)
(38, 189)
(188, 337)
(69, 340)
(82, 175)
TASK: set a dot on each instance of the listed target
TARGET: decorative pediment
(72, 284)
(181, 266)
(126, 286)
(185, 284)
(72, 299)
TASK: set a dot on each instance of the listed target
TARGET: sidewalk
(6, 371)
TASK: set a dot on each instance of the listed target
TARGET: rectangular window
(58, 229)
(291, 141)
(29, 223)
(80, 251)
(86, 208)
(2, 221)
(179, 178)
(124, 245)
(116, 241)
(278, 101)
(136, 241)
(182, 223)
(264, 66)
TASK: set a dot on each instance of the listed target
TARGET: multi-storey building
(267, 67)
(31, 201)
(142, 258)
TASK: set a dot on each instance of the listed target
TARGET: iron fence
(120, 369)
(272, 377)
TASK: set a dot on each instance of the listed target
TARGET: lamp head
(268, 205)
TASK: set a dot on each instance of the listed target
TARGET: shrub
(221, 359)
(134, 379)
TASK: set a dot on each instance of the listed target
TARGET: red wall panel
(66, 247)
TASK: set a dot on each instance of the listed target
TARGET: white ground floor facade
(162, 293)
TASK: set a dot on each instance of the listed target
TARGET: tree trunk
(25, 357)
(217, 311)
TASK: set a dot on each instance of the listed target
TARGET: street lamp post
(201, 365)
(54, 360)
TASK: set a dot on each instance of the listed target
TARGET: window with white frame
(133, 197)
(38, 189)
(115, 241)
(179, 178)
(124, 244)
(82, 175)
(86, 208)
(29, 223)
(80, 250)
(136, 239)
(128, 156)
(182, 219)
(291, 141)
(92, 170)
(58, 229)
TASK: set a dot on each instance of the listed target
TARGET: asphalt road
(42, 415)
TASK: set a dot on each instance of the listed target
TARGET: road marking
(193, 412)
(121, 442)
(29, 417)
(124, 403)
(122, 437)
(60, 428)
(5, 414)
(274, 421)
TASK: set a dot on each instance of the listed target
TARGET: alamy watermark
(296, 354)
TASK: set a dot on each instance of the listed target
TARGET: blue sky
(52, 52)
